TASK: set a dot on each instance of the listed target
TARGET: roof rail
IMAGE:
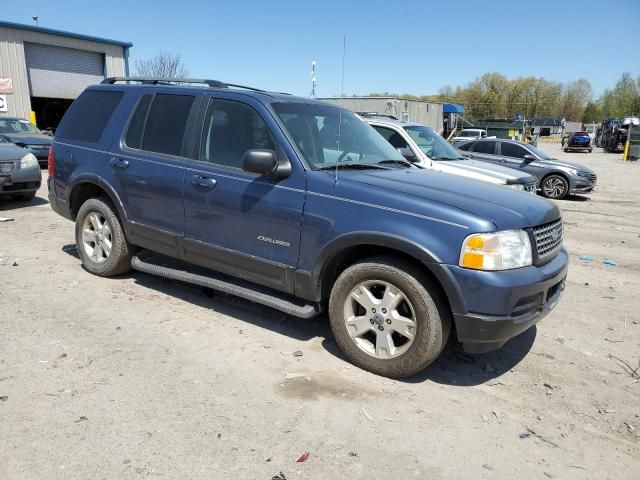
(170, 81)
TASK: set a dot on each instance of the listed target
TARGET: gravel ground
(137, 377)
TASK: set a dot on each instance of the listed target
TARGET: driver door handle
(203, 182)
(119, 163)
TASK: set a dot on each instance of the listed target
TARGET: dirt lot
(139, 377)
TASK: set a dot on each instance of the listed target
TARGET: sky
(394, 46)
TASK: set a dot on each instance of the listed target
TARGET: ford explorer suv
(230, 188)
(423, 147)
(556, 178)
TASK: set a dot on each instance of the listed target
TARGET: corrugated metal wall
(427, 113)
(13, 64)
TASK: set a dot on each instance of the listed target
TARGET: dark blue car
(301, 206)
(578, 141)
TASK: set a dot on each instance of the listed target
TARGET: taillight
(51, 161)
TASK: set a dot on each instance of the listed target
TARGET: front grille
(591, 176)
(6, 167)
(548, 238)
(21, 186)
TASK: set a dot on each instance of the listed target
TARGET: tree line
(495, 96)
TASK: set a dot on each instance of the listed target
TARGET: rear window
(485, 147)
(88, 115)
(160, 126)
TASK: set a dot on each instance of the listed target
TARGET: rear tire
(100, 239)
(554, 186)
(402, 324)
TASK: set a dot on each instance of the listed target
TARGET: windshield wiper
(405, 163)
(351, 166)
(447, 158)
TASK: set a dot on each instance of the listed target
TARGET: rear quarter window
(88, 115)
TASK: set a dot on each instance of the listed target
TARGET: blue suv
(301, 206)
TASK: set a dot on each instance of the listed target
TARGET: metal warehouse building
(427, 113)
(43, 70)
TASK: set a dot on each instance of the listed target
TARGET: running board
(257, 294)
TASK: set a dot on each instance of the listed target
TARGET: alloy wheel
(97, 239)
(380, 319)
(553, 187)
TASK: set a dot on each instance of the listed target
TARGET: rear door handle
(119, 163)
(203, 182)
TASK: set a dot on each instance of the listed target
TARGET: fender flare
(427, 258)
(92, 178)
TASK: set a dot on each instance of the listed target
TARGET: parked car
(19, 172)
(24, 134)
(426, 149)
(235, 180)
(467, 134)
(578, 141)
(556, 178)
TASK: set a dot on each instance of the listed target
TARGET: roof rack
(172, 81)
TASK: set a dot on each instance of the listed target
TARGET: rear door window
(485, 147)
(166, 123)
(88, 115)
(512, 150)
(465, 146)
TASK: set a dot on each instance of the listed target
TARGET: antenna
(344, 54)
(313, 79)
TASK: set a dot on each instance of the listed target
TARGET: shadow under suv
(235, 184)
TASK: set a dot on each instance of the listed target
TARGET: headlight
(496, 251)
(28, 161)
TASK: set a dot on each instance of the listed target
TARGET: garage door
(57, 72)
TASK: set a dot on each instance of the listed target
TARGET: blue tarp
(452, 108)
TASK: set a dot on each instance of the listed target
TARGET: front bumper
(501, 305)
(21, 181)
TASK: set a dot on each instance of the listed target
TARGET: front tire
(388, 317)
(554, 186)
(100, 239)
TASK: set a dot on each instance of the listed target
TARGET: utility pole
(313, 79)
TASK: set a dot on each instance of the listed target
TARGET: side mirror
(528, 158)
(265, 162)
(407, 153)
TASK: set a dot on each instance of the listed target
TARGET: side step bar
(258, 295)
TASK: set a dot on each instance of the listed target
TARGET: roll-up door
(57, 72)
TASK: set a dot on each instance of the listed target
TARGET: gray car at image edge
(556, 178)
(19, 172)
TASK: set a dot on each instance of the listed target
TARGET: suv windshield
(17, 126)
(328, 136)
(433, 145)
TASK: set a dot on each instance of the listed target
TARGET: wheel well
(347, 257)
(83, 192)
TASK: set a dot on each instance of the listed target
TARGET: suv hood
(505, 207)
(484, 171)
(28, 138)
